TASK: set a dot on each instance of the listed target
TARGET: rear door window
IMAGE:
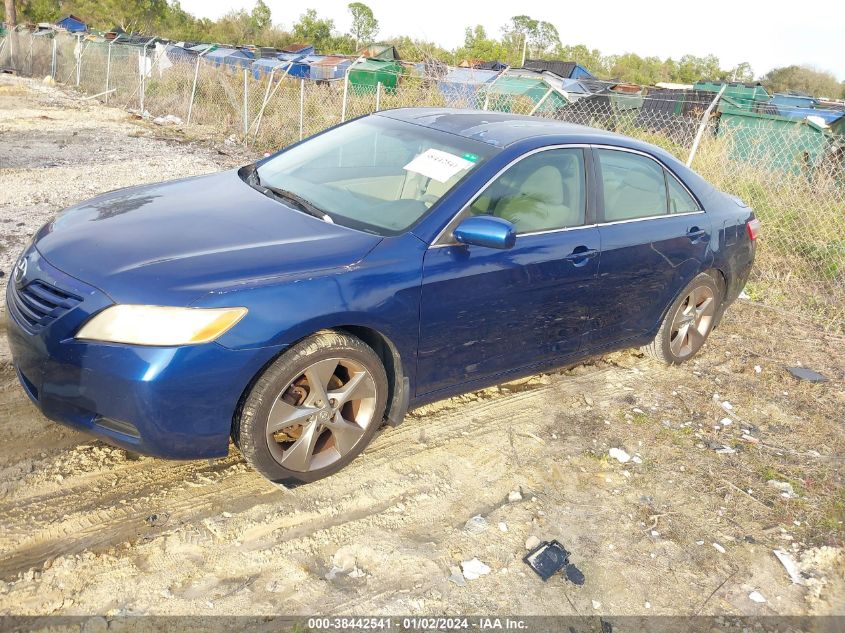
(634, 186)
(679, 199)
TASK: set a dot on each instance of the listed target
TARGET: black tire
(666, 347)
(249, 430)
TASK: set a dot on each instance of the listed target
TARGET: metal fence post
(77, 51)
(142, 70)
(703, 125)
(267, 96)
(246, 105)
(194, 87)
(301, 108)
(108, 66)
(378, 96)
(53, 60)
(541, 101)
(345, 95)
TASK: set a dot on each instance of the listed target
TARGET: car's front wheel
(313, 410)
(688, 322)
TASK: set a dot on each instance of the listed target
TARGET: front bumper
(172, 402)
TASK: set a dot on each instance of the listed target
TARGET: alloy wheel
(321, 414)
(692, 322)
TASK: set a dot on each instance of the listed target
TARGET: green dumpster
(772, 141)
(522, 95)
(366, 74)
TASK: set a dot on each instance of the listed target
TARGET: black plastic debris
(548, 558)
(802, 373)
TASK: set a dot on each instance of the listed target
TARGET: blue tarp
(298, 49)
(262, 67)
(72, 24)
(795, 101)
(463, 83)
(331, 67)
(234, 58)
(301, 68)
(829, 116)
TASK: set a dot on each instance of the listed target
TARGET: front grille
(38, 304)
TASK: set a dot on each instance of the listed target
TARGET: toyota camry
(300, 303)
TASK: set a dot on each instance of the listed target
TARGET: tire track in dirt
(109, 507)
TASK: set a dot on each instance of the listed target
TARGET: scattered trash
(758, 369)
(532, 542)
(726, 450)
(719, 548)
(726, 422)
(503, 527)
(745, 437)
(550, 557)
(756, 596)
(168, 119)
(790, 566)
(596, 605)
(514, 496)
(744, 295)
(619, 455)
(344, 560)
(637, 459)
(786, 489)
(699, 542)
(157, 519)
(476, 525)
(474, 569)
(647, 605)
(727, 406)
(802, 373)
(357, 573)
(655, 533)
(457, 577)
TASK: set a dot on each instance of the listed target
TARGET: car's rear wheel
(688, 322)
(313, 410)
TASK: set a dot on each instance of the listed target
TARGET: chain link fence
(790, 170)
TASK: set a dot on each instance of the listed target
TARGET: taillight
(753, 228)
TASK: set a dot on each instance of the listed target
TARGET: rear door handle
(696, 234)
(581, 255)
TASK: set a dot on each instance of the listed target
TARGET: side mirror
(486, 230)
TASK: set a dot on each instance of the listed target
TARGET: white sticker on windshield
(439, 165)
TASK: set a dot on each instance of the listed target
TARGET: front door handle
(581, 255)
(696, 234)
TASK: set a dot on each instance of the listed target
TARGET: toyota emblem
(20, 270)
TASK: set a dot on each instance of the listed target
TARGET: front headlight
(160, 325)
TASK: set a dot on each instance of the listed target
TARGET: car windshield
(375, 173)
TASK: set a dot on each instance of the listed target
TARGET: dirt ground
(687, 526)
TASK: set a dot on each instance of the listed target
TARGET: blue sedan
(300, 303)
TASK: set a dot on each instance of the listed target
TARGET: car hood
(172, 242)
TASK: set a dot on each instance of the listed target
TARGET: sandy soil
(88, 529)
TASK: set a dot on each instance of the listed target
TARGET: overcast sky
(767, 34)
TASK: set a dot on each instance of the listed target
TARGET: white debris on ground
(474, 569)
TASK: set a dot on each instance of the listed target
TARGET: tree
(591, 59)
(11, 14)
(540, 37)
(313, 30)
(742, 72)
(260, 16)
(804, 79)
(478, 46)
(131, 15)
(364, 24)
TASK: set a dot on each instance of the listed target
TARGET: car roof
(497, 128)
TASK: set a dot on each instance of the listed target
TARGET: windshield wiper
(301, 203)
